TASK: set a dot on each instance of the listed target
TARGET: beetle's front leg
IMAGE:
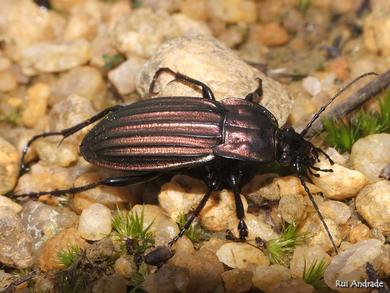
(242, 227)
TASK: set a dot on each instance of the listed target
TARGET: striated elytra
(153, 136)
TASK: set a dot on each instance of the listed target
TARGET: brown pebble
(340, 68)
(270, 34)
(359, 233)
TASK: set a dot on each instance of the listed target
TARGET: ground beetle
(154, 136)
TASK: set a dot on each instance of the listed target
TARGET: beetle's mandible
(153, 136)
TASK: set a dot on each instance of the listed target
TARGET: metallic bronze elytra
(153, 136)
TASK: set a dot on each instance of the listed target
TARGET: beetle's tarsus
(257, 94)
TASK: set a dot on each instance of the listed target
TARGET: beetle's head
(294, 151)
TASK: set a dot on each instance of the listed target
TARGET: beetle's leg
(206, 91)
(65, 133)
(242, 228)
(257, 94)
(194, 214)
(161, 254)
(321, 170)
(114, 181)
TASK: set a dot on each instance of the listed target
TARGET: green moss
(195, 233)
(129, 228)
(314, 275)
(68, 256)
(342, 135)
(280, 248)
(112, 61)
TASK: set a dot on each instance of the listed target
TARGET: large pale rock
(206, 59)
(373, 204)
(371, 154)
(9, 166)
(350, 265)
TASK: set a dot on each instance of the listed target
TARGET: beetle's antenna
(318, 212)
(322, 109)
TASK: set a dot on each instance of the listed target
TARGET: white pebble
(312, 85)
(95, 222)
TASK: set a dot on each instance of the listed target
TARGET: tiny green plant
(136, 3)
(195, 233)
(130, 226)
(112, 61)
(314, 274)
(342, 135)
(303, 6)
(68, 256)
(280, 248)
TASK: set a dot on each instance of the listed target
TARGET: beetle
(154, 136)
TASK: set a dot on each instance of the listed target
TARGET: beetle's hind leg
(64, 133)
(257, 94)
(161, 254)
(206, 91)
(112, 181)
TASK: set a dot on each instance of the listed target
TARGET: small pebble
(237, 281)
(265, 277)
(337, 211)
(9, 166)
(257, 227)
(8, 81)
(292, 207)
(42, 221)
(15, 242)
(317, 233)
(312, 85)
(50, 152)
(232, 11)
(203, 267)
(292, 285)
(123, 76)
(241, 256)
(168, 278)
(371, 154)
(359, 233)
(124, 267)
(340, 68)
(195, 9)
(110, 283)
(100, 251)
(109, 196)
(85, 81)
(181, 195)
(7, 202)
(373, 204)
(37, 97)
(49, 57)
(270, 34)
(132, 33)
(340, 184)
(67, 238)
(220, 210)
(305, 256)
(95, 222)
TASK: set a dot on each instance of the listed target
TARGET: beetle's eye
(285, 159)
